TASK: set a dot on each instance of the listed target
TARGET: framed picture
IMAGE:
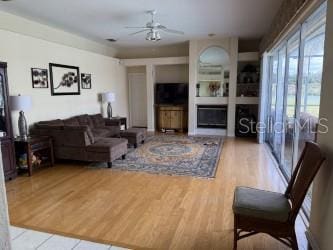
(39, 78)
(65, 79)
(85, 81)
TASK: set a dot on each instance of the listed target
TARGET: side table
(35, 144)
(119, 121)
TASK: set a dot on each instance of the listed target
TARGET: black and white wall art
(39, 78)
(86, 81)
(65, 79)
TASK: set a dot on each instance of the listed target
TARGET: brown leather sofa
(84, 138)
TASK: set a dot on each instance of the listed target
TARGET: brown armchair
(257, 211)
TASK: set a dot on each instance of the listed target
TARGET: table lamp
(21, 103)
(109, 97)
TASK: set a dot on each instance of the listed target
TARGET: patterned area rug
(174, 155)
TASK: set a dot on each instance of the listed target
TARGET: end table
(34, 144)
(118, 121)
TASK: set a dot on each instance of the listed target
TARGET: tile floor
(24, 239)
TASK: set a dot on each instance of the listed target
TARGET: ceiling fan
(153, 29)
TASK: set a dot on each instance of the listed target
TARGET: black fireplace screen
(212, 116)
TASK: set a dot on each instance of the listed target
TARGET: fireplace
(212, 116)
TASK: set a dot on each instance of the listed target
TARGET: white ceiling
(101, 19)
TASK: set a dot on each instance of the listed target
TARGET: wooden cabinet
(8, 159)
(164, 119)
(176, 119)
(6, 134)
(172, 117)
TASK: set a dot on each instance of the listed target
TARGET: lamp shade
(108, 97)
(20, 102)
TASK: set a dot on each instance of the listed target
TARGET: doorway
(138, 99)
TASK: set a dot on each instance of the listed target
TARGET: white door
(138, 99)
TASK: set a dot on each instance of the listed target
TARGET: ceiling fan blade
(170, 30)
(140, 31)
(133, 27)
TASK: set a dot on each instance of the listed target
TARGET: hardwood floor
(139, 210)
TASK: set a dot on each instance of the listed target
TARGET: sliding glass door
(294, 92)
(311, 84)
(290, 92)
(314, 38)
(277, 77)
(278, 127)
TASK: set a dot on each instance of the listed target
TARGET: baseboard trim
(312, 242)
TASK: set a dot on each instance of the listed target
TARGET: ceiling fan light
(148, 37)
(153, 36)
(158, 36)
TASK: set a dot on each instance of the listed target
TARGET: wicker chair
(257, 211)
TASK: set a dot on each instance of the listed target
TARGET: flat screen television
(171, 93)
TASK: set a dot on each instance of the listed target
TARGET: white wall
(321, 221)
(136, 69)
(171, 73)
(23, 52)
(154, 50)
(30, 28)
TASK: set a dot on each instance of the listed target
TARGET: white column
(4, 220)
(193, 65)
(232, 86)
(150, 97)
(263, 97)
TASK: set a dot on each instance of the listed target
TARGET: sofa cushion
(97, 120)
(90, 134)
(76, 127)
(56, 122)
(47, 127)
(71, 122)
(85, 120)
(90, 121)
(101, 132)
(77, 136)
(108, 145)
(261, 204)
(48, 130)
(114, 131)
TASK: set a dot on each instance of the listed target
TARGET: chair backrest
(306, 169)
